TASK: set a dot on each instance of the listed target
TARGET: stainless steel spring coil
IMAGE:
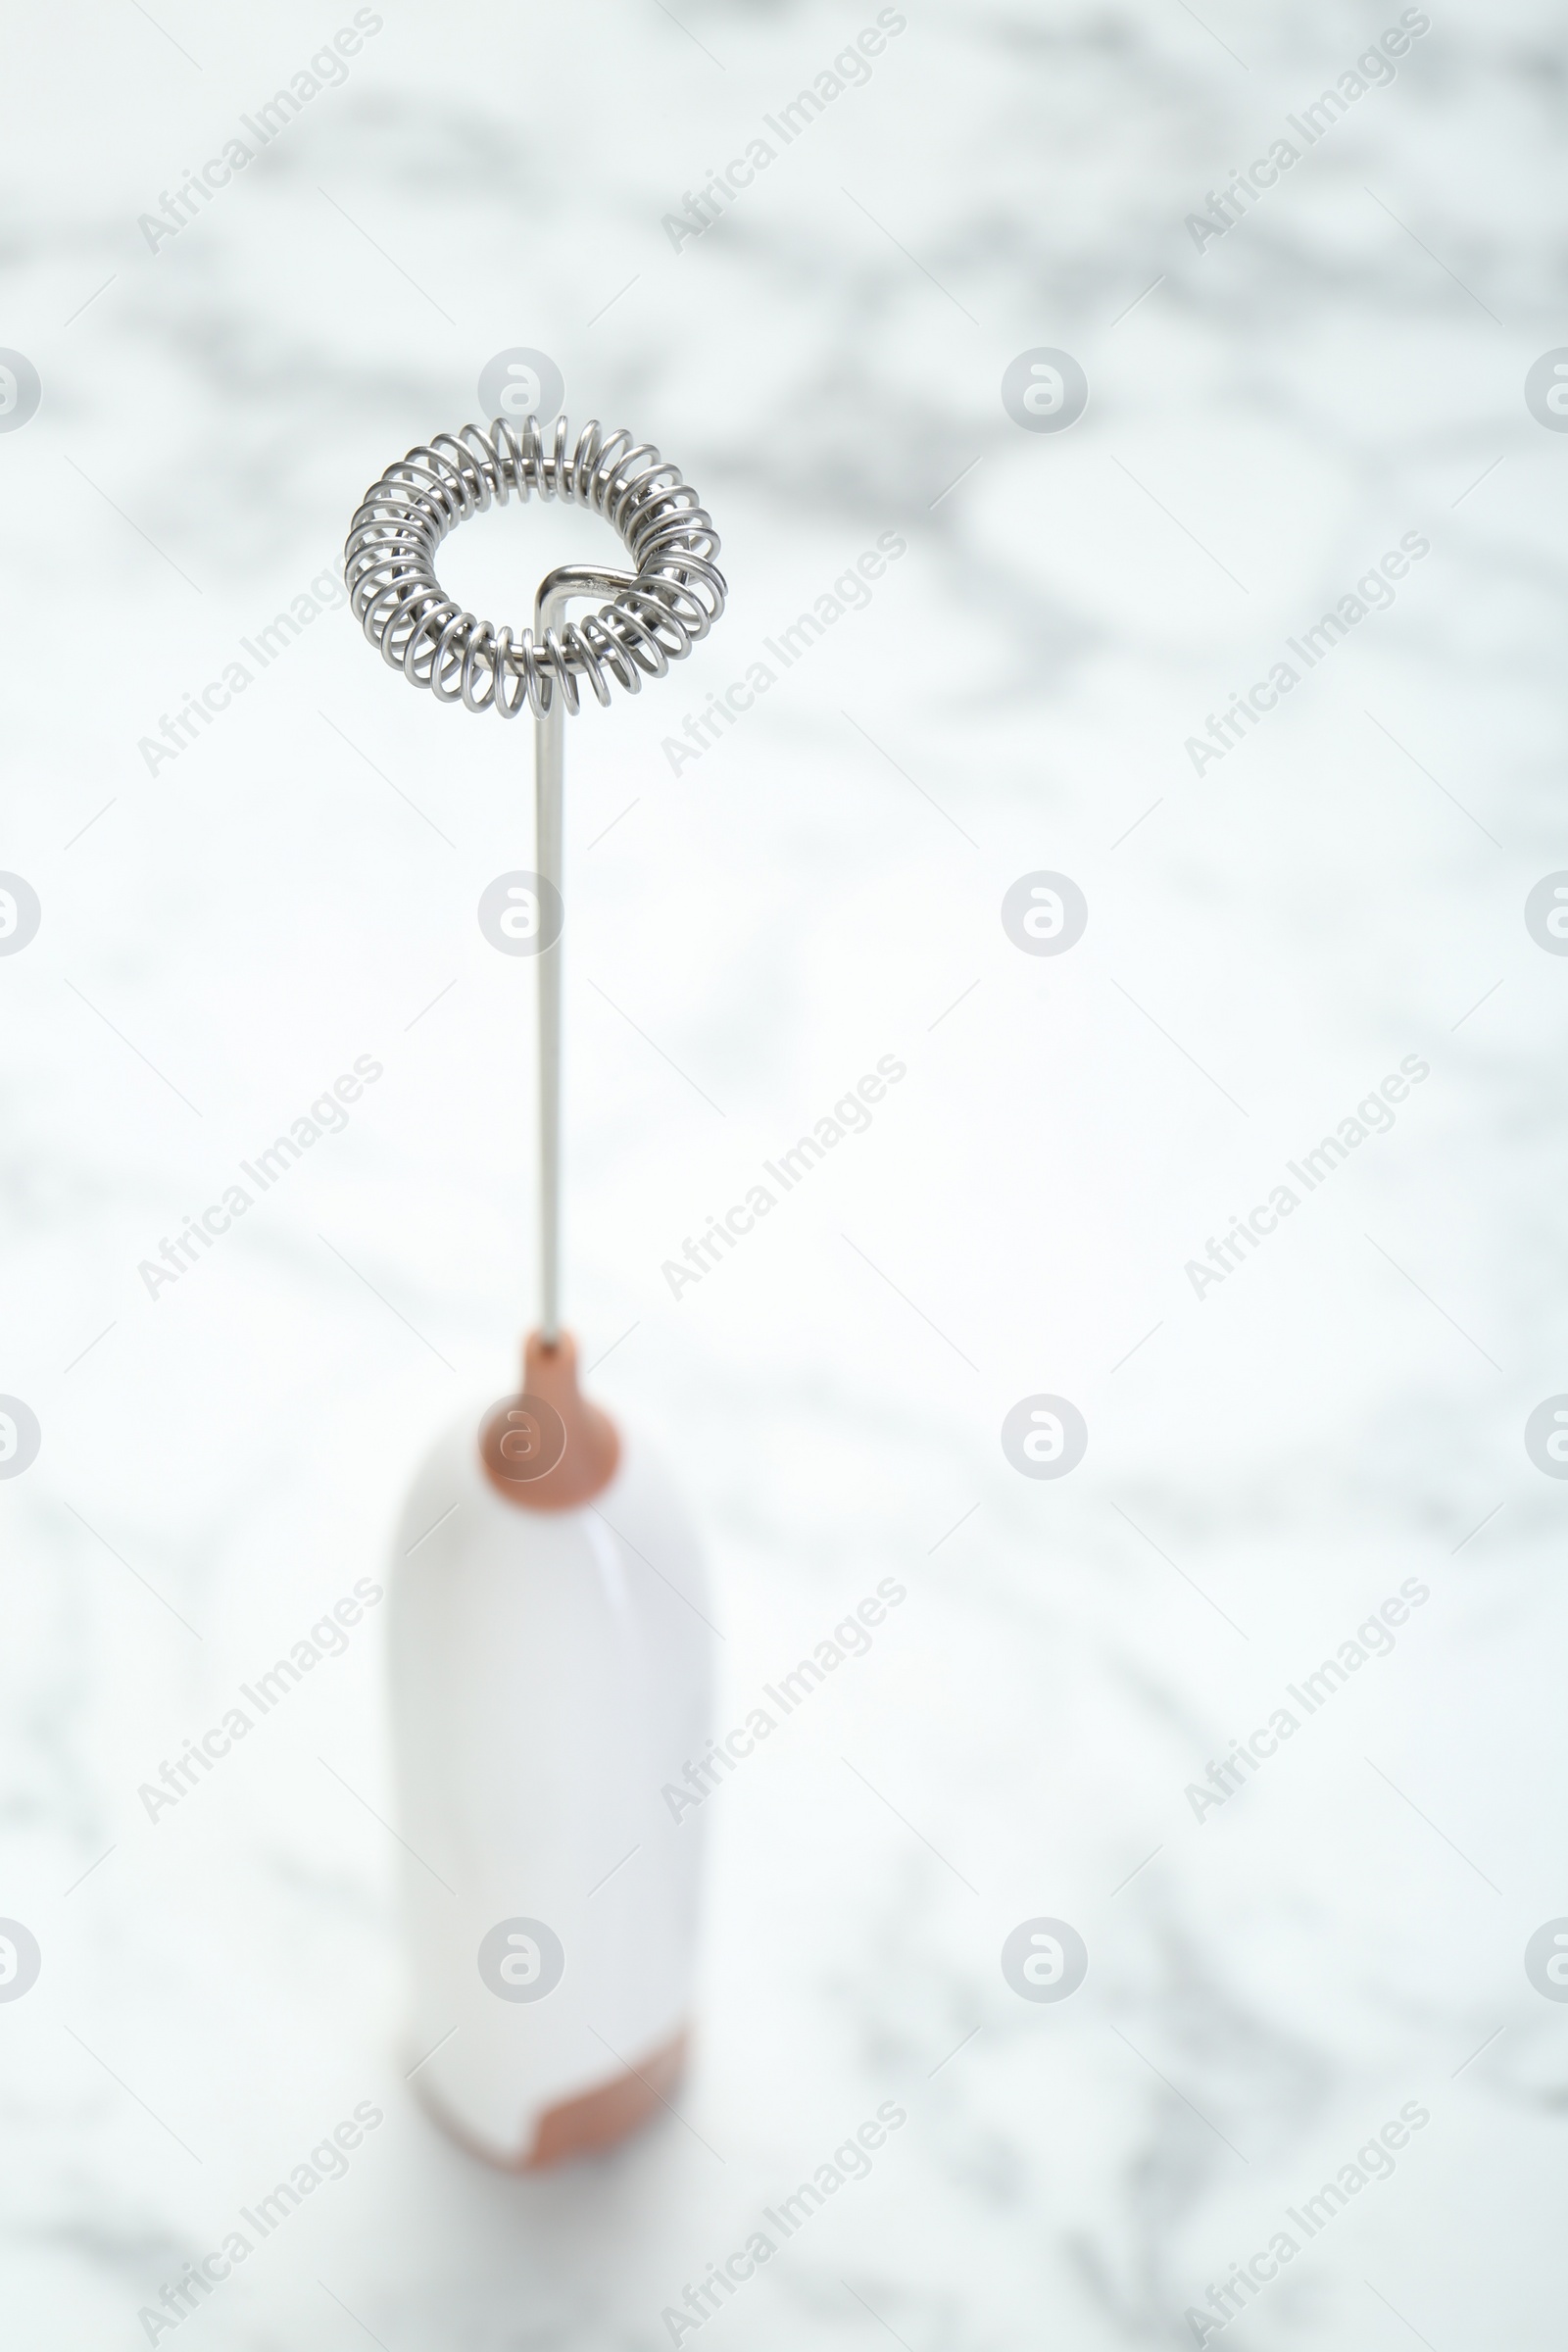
(657, 614)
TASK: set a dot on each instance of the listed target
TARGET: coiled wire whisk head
(655, 617)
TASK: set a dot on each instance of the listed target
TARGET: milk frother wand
(550, 1655)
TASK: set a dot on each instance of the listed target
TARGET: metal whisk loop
(654, 617)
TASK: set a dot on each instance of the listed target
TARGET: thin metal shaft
(549, 744)
(549, 749)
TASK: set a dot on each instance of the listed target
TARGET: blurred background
(1288, 382)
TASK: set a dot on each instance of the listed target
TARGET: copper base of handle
(596, 2120)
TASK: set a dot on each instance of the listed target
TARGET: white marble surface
(1264, 1466)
